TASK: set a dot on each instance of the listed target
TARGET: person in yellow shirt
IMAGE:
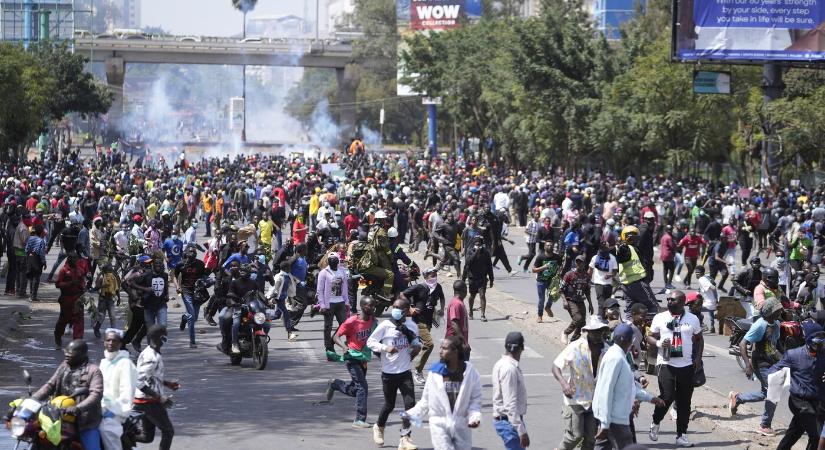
(314, 205)
(206, 205)
(219, 210)
(152, 210)
(265, 228)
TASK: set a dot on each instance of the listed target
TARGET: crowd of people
(304, 239)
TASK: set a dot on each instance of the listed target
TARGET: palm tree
(244, 5)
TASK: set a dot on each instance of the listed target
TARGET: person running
(547, 268)
(763, 335)
(333, 296)
(510, 395)
(478, 271)
(185, 276)
(457, 320)
(603, 270)
(451, 421)
(119, 385)
(423, 298)
(397, 341)
(71, 280)
(355, 330)
(150, 397)
(575, 289)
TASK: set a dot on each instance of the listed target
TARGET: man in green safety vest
(632, 273)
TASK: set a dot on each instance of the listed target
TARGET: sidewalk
(709, 413)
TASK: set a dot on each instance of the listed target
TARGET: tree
(244, 6)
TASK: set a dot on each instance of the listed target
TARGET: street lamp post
(243, 94)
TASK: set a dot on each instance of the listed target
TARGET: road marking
(305, 350)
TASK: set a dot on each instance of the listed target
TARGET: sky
(211, 17)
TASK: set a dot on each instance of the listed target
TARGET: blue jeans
(711, 313)
(90, 439)
(236, 325)
(208, 220)
(278, 238)
(191, 315)
(357, 388)
(508, 434)
(283, 314)
(541, 287)
(761, 374)
(155, 316)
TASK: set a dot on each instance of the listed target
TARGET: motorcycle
(46, 426)
(790, 333)
(371, 285)
(253, 335)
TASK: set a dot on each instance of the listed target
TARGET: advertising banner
(706, 82)
(750, 30)
(416, 16)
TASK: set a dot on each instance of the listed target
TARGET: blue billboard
(749, 30)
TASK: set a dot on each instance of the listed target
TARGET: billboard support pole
(772, 87)
(432, 130)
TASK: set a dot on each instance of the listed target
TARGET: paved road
(223, 406)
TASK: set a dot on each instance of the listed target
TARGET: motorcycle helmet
(771, 277)
(770, 307)
(380, 214)
(629, 231)
(62, 402)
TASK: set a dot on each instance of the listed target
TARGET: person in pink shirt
(457, 321)
(667, 253)
(729, 234)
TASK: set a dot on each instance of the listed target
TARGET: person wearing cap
(763, 336)
(611, 312)
(575, 370)
(677, 333)
(806, 392)
(615, 393)
(119, 384)
(632, 272)
(575, 289)
(510, 395)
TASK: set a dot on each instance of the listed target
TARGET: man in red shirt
(71, 280)
(356, 329)
(457, 321)
(692, 246)
(351, 221)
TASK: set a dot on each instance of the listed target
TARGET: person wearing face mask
(806, 393)
(185, 275)
(150, 397)
(356, 329)
(333, 296)
(423, 297)
(119, 384)
(451, 416)
(75, 372)
(173, 248)
(397, 341)
(677, 333)
(580, 359)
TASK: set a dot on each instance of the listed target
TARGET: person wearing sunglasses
(677, 333)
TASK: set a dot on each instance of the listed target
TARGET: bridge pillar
(349, 78)
(115, 75)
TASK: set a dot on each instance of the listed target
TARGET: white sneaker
(682, 441)
(378, 435)
(653, 434)
(419, 377)
(406, 443)
(513, 273)
(235, 348)
(292, 336)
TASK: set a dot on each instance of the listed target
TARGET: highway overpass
(118, 51)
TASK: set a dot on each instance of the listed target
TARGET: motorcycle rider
(238, 288)
(150, 397)
(767, 288)
(632, 272)
(763, 335)
(377, 258)
(745, 282)
(73, 373)
(119, 384)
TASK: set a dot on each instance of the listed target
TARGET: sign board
(749, 31)
(416, 16)
(707, 82)
(236, 114)
(431, 101)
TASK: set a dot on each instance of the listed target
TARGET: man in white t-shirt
(603, 269)
(678, 335)
(710, 296)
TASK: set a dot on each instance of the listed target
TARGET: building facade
(610, 15)
(27, 20)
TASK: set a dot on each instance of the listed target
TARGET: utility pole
(772, 87)
(243, 94)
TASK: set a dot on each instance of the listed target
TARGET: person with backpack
(108, 285)
(35, 259)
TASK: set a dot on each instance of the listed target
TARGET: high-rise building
(339, 15)
(610, 15)
(129, 14)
